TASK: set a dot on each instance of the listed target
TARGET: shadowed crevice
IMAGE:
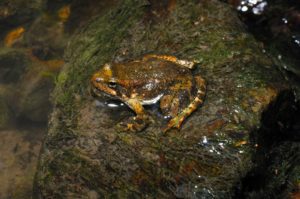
(276, 157)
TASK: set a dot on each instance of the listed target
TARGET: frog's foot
(175, 122)
(134, 124)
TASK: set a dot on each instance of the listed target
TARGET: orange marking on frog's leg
(176, 122)
(129, 127)
(185, 63)
(136, 106)
(164, 57)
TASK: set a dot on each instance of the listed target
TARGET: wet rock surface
(83, 154)
(276, 24)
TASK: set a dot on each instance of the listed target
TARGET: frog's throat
(152, 101)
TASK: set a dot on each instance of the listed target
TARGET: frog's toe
(126, 127)
(133, 125)
(174, 123)
(121, 127)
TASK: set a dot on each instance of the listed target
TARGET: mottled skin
(149, 80)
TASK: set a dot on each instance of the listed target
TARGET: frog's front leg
(138, 122)
(176, 121)
(185, 63)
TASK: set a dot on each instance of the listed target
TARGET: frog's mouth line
(106, 98)
(100, 93)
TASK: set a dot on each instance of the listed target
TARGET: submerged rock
(19, 155)
(6, 115)
(15, 17)
(28, 82)
(33, 101)
(12, 65)
(46, 37)
(209, 157)
(18, 12)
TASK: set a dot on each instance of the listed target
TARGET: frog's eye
(112, 84)
(98, 79)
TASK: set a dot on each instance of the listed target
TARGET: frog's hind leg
(185, 63)
(176, 121)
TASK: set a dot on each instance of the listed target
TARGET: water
(33, 36)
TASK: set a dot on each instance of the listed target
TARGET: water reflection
(204, 141)
(257, 7)
(109, 103)
(213, 146)
(296, 39)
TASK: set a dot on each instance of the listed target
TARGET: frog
(152, 79)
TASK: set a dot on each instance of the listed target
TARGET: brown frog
(152, 79)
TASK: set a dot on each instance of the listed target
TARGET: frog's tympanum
(151, 79)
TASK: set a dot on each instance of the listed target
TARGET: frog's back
(151, 69)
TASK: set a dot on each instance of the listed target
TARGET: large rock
(214, 152)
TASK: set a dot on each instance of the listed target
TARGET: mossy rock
(83, 154)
